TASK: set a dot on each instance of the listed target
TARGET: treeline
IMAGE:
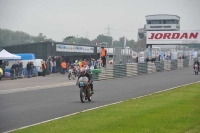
(101, 39)
(8, 37)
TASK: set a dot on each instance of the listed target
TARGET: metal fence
(140, 55)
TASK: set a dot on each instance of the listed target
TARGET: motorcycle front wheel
(82, 95)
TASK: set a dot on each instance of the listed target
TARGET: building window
(148, 21)
(167, 21)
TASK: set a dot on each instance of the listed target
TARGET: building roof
(162, 15)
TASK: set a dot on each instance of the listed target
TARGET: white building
(159, 22)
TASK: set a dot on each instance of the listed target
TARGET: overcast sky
(60, 18)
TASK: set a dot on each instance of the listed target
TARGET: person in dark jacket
(28, 67)
(20, 69)
(12, 71)
(43, 68)
(32, 69)
(147, 59)
(17, 70)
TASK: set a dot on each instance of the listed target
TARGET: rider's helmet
(83, 71)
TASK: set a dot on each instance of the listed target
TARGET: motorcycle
(196, 69)
(71, 74)
(85, 89)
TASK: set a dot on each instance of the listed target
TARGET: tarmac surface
(26, 84)
(28, 101)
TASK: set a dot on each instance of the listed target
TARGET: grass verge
(174, 111)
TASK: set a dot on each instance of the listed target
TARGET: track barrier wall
(134, 69)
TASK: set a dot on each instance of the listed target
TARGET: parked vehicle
(1, 73)
(38, 64)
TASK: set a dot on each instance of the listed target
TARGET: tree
(8, 37)
(103, 38)
(75, 40)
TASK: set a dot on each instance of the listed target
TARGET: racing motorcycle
(196, 69)
(85, 89)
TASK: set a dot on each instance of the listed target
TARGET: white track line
(99, 107)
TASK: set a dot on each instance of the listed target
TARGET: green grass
(174, 111)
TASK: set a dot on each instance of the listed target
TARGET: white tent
(5, 55)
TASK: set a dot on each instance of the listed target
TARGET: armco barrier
(159, 66)
(132, 69)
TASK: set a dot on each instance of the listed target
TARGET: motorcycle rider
(83, 72)
(196, 62)
(76, 67)
(76, 63)
(71, 69)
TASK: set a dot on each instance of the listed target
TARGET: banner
(72, 48)
(173, 37)
(134, 54)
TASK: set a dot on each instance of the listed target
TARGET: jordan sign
(173, 37)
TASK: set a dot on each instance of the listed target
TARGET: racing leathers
(196, 62)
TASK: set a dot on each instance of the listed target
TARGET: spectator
(20, 69)
(64, 66)
(159, 57)
(12, 71)
(16, 70)
(84, 62)
(136, 59)
(28, 67)
(103, 56)
(43, 68)
(32, 69)
(51, 65)
(147, 59)
(54, 66)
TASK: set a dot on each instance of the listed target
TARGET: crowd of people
(16, 70)
(61, 65)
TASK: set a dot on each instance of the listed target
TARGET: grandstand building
(159, 22)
